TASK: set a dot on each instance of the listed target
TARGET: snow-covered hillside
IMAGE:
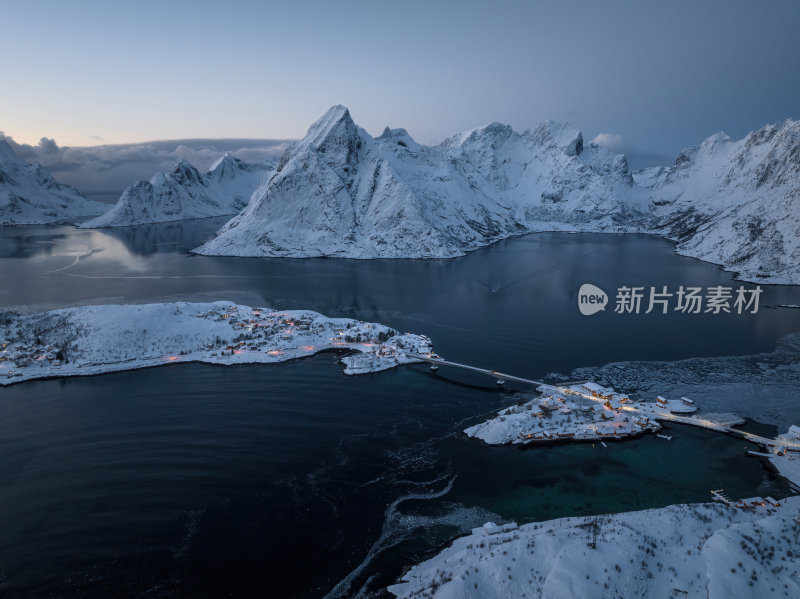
(29, 194)
(708, 551)
(185, 193)
(341, 192)
(735, 203)
(97, 339)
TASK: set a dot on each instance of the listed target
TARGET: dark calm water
(291, 479)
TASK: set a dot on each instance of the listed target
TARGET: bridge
(690, 420)
(499, 376)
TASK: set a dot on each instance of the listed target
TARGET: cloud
(612, 141)
(111, 168)
(637, 157)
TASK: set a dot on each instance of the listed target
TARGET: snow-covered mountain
(185, 193)
(340, 192)
(735, 203)
(30, 195)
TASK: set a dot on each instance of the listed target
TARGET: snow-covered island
(709, 551)
(565, 414)
(341, 192)
(91, 340)
(589, 412)
(185, 193)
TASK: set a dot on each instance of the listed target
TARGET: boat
(667, 437)
(434, 367)
(500, 382)
(603, 444)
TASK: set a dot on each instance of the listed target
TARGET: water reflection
(179, 236)
(516, 299)
(22, 242)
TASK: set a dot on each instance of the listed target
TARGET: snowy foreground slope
(97, 339)
(185, 193)
(340, 192)
(30, 195)
(704, 550)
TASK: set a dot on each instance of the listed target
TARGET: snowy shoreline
(739, 548)
(724, 552)
(92, 340)
(339, 192)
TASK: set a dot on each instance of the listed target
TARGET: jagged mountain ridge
(340, 192)
(185, 193)
(735, 203)
(30, 195)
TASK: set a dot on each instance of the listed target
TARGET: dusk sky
(653, 78)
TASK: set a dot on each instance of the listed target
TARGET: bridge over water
(565, 388)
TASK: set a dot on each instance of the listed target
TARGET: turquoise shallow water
(192, 480)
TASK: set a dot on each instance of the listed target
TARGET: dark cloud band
(111, 168)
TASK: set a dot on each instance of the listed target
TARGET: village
(97, 339)
(582, 411)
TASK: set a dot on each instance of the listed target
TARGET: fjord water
(294, 479)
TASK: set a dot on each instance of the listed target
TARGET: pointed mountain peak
(718, 139)
(336, 123)
(399, 137)
(224, 161)
(486, 134)
(182, 166)
(184, 173)
(334, 136)
(566, 137)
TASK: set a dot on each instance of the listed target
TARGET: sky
(644, 78)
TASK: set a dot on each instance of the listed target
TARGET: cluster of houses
(578, 411)
(265, 325)
(123, 337)
(750, 503)
(14, 356)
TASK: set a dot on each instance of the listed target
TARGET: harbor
(587, 411)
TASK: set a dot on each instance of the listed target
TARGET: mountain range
(30, 195)
(185, 193)
(340, 192)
